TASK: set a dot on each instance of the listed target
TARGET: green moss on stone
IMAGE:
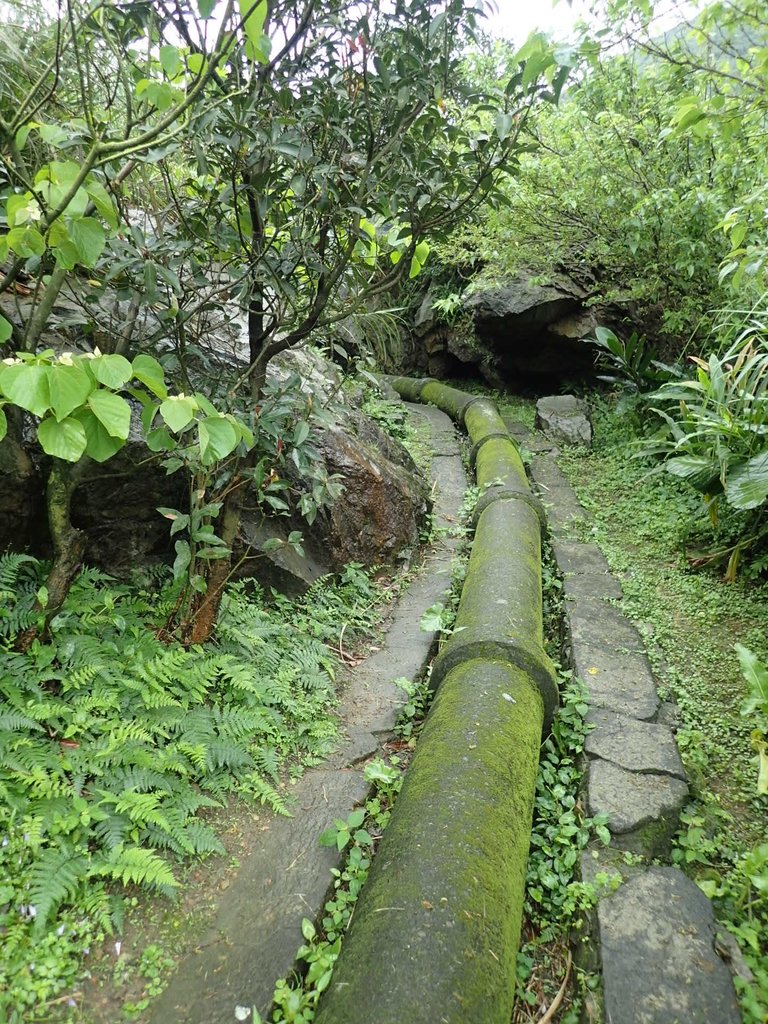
(436, 930)
(503, 581)
(499, 459)
(482, 418)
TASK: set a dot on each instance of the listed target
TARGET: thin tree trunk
(68, 544)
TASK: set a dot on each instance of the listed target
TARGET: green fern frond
(15, 721)
(137, 866)
(56, 875)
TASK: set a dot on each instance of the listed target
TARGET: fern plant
(114, 743)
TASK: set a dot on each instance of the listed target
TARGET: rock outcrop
(518, 333)
(375, 521)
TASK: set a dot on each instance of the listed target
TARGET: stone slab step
(657, 938)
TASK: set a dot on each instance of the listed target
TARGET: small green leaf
(356, 818)
(151, 374)
(113, 412)
(65, 439)
(3, 424)
(195, 62)
(182, 560)
(301, 433)
(26, 385)
(308, 930)
(504, 124)
(205, 7)
(6, 330)
(69, 386)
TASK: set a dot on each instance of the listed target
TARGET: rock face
(376, 520)
(20, 488)
(565, 420)
(521, 333)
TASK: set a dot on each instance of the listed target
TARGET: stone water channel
(435, 932)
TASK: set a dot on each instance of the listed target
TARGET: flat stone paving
(656, 932)
(252, 938)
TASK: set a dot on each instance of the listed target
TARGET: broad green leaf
(217, 436)
(160, 440)
(113, 371)
(178, 412)
(63, 440)
(26, 386)
(53, 134)
(254, 16)
(421, 252)
(432, 620)
(69, 386)
(170, 60)
(195, 63)
(746, 485)
(150, 373)
(65, 172)
(103, 202)
(700, 471)
(204, 405)
(183, 559)
(301, 433)
(737, 235)
(504, 124)
(205, 7)
(3, 424)
(112, 411)
(62, 245)
(6, 330)
(21, 136)
(756, 675)
(26, 241)
(89, 237)
(19, 209)
(100, 445)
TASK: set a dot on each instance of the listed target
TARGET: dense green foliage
(114, 742)
(646, 185)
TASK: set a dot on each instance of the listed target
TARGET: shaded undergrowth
(116, 744)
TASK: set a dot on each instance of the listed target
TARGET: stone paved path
(253, 936)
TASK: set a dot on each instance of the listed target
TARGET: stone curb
(655, 934)
(436, 928)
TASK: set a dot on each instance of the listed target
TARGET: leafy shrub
(714, 434)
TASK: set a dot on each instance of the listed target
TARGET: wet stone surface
(658, 958)
(636, 746)
(643, 809)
